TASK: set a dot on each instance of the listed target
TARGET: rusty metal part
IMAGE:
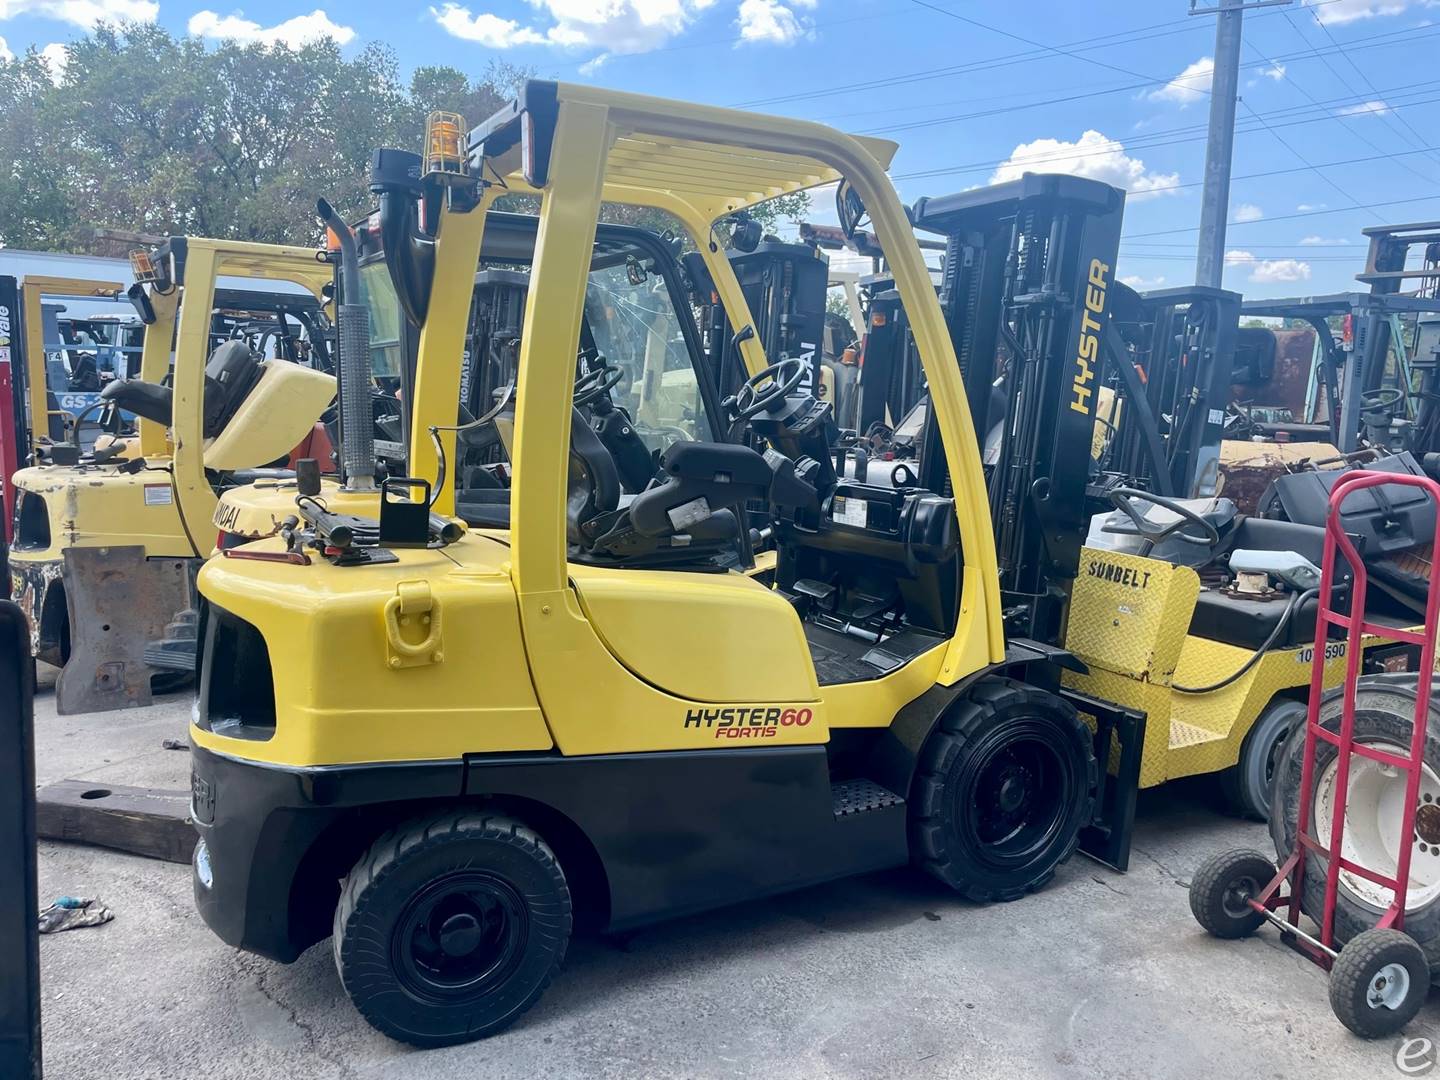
(1427, 823)
(118, 601)
(1247, 468)
(1294, 355)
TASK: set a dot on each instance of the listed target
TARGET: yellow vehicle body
(105, 551)
(645, 156)
(1130, 622)
(658, 737)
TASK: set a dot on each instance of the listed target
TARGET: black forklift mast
(784, 286)
(892, 381)
(1173, 356)
(1026, 290)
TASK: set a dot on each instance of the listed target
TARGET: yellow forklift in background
(107, 541)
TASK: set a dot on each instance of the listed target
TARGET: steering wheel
(1381, 400)
(1125, 499)
(752, 399)
(599, 380)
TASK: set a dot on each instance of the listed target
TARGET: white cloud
(769, 20)
(1343, 11)
(1192, 84)
(1247, 212)
(489, 30)
(83, 13)
(1269, 271)
(615, 27)
(56, 56)
(1306, 207)
(300, 30)
(5, 53)
(1143, 284)
(1275, 71)
(1368, 108)
(1093, 155)
(1323, 241)
(1272, 270)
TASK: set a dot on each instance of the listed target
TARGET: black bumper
(274, 841)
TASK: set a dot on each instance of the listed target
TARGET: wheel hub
(460, 934)
(1427, 823)
(1389, 987)
(1371, 838)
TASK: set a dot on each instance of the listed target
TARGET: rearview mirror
(849, 209)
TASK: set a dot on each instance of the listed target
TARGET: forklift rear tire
(451, 926)
(1378, 983)
(1007, 780)
(1246, 785)
(1384, 716)
(1220, 889)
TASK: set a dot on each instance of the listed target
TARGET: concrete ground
(1100, 975)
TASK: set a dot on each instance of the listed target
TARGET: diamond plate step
(859, 796)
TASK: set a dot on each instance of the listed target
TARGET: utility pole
(1220, 145)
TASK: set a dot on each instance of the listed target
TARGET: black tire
(1384, 711)
(1378, 983)
(1006, 781)
(1221, 886)
(170, 682)
(450, 927)
(1247, 784)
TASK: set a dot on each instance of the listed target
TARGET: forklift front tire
(1221, 890)
(1007, 780)
(450, 927)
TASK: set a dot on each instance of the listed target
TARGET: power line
(990, 63)
(937, 121)
(1292, 217)
(1295, 115)
(1104, 41)
(1418, 138)
(1339, 118)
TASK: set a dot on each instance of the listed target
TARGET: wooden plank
(154, 822)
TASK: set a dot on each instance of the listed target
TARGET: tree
(149, 133)
(155, 134)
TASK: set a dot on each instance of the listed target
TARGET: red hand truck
(1381, 976)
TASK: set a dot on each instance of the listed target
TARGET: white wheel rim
(1372, 828)
(1388, 988)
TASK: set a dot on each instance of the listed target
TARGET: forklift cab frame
(115, 541)
(576, 147)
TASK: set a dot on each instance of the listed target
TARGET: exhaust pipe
(357, 423)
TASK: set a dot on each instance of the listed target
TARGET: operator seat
(1247, 621)
(230, 374)
(692, 514)
(593, 488)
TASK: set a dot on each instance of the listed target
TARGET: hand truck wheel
(1378, 982)
(1221, 890)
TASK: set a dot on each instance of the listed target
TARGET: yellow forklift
(588, 717)
(106, 541)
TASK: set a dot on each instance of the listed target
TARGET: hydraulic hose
(357, 418)
(1296, 602)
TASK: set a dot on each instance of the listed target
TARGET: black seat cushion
(1246, 623)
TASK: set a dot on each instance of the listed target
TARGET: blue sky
(1338, 111)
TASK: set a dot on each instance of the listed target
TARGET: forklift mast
(1174, 355)
(1041, 252)
(784, 285)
